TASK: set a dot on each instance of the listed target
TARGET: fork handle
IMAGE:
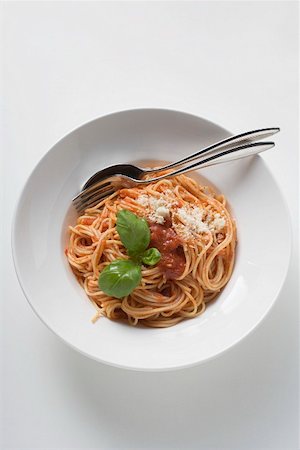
(219, 157)
(227, 143)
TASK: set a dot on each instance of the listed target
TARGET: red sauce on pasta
(164, 238)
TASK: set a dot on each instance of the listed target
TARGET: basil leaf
(134, 232)
(120, 277)
(151, 256)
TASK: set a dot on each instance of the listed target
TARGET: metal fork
(105, 182)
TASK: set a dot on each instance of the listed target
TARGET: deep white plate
(39, 237)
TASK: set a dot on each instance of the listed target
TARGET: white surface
(66, 63)
(39, 240)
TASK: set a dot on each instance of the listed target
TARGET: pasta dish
(154, 254)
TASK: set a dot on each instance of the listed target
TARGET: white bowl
(43, 213)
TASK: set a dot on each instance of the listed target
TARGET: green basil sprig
(122, 276)
(151, 256)
(134, 232)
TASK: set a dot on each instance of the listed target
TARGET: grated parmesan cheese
(163, 211)
(189, 220)
(192, 218)
(143, 200)
(159, 214)
(158, 208)
(218, 223)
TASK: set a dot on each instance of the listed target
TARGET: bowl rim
(131, 367)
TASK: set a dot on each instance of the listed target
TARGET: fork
(105, 182)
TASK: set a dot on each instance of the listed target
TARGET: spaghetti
(194, 232)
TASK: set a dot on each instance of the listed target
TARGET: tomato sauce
(88, 221)
(164, 238)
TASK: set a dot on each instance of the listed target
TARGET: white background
(63, 64)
